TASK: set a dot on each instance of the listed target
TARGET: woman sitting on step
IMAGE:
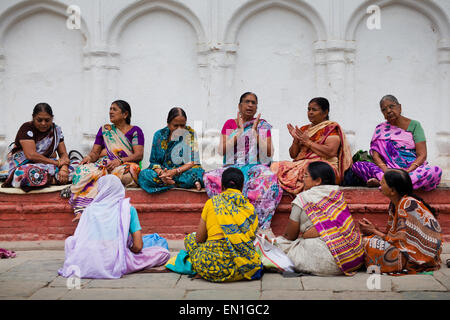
(174, 159)
(330, 243)
(118, 149)
(412, 241)
(108, 241)
(246, 143)
(39, 157)
(398, 143)
(222, 249)
(321, 140)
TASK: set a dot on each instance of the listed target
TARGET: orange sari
(290, 173)
(413, 241)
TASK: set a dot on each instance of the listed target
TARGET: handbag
(272, 257)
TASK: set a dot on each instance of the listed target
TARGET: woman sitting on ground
(398, 143)
(118, 149)
(108, 240)
(246, 143)
(321, 140)
(222, 248)
(329, 242)
(174, 159)
(39, 157)
(412, 242)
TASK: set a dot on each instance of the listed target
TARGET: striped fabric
(332, 219)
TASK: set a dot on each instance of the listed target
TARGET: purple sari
(397, 149)
(99, 249)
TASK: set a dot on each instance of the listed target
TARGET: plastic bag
(272, 257)
(154, 239)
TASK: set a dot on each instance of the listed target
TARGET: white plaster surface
(202, 55)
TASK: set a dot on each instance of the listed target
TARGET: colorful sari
(99, 248)
(290, 173)
(169, 155)
(333, 221)
(398, 151)
(413, 241)
(27, 175)
(233, 257)
(84, 182)
(260, 185)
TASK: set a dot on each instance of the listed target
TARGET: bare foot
(198, 185)
(77, 217)
(374, 182)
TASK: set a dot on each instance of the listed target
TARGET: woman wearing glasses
(398, 143)
(246, 144)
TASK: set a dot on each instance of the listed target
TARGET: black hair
(42, 107)
(124, 107)
(322, 103)
(232, 178)
(175, 112)
(246, 94)
(320, 169)
(400, 181)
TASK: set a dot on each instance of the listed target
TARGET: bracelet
(415, 164)
(178, 171)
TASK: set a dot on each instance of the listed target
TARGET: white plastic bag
(272, 257)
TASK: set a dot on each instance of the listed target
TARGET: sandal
(66, 192)
(448, 263)
(74, 154)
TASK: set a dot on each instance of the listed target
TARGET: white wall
(202, 55)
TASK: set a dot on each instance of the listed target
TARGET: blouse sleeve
(299, 215)
(99, 138)
(138, 137)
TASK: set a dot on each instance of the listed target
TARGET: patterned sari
(290, 173)
(398, 151)
(27, 175)
(333, 221)
(413, 242)
(171, 155)
(233, 257)
(84, 183)
(260, 185)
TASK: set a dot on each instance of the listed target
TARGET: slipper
(74, 154)
(448, 263)
(66, 193)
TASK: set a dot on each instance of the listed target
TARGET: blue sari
(172, 154)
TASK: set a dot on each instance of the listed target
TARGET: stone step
(175, 213)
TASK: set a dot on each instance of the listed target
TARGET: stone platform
(175, 213)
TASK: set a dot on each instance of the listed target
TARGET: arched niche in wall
(158, 65)
(42, 62)
(401, 59)
(275, 59)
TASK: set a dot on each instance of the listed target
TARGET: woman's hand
(86, 159)
(63, 175)
(167, 176)
(292, 132)
(303, 138)
(255, 126)
(366, 227)
(113, 164)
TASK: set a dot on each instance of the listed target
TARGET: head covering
(100, 246)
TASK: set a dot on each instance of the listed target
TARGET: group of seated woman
(39, 158)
